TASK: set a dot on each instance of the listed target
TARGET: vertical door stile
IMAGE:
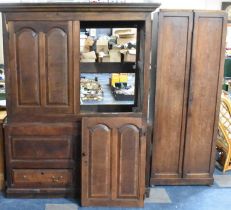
(115, 151)
(76, 63)
(71, 89)
(142, 158)
(42, 67)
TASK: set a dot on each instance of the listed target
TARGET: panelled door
(188, 86)
(204, 94)
(173, 64)
(113, 161)
(41, 70)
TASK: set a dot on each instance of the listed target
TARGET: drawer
(42, 178)
(41, 147)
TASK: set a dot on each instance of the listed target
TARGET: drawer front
(42, 178)
(42, 147)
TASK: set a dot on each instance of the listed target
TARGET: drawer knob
(24, 177)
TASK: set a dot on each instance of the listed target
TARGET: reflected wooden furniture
(224, 136)
(2, 117)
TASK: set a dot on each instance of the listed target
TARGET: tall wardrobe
(110, 154)
(188, 69)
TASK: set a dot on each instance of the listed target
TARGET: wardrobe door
(172, 75)
(113, 161)
(41, 72)
(204, 97)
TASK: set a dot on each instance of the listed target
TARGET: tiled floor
(215, 197)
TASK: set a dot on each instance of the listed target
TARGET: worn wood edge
(182, 182)
(75, 7)
(192, 10)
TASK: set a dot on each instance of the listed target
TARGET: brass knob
(56, 179)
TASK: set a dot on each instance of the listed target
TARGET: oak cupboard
(47, 122)
(110, 154)
(186, 108)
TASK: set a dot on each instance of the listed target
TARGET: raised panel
(57, 72)
(113, 161)
(42, 78)
(41, 147)
(99, 161)
(205, 85)
(174, 43)
(128, 161)
(27, 54)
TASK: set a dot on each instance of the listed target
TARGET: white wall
(168, 4)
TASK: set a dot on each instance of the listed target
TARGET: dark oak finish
(188, 85)
(174, 116)
(113, 161)
(42, 133)
(41, 67)
(42, 178)
(78, 7)
(42, 151)
(204, 94)
(171, 93)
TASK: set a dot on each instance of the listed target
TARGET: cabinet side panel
(204, 90)
(174, 43)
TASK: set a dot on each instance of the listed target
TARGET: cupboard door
(204, 95)
(173, 60)
(24, 67)
(113, 161)
(41, 69)
(58, 78)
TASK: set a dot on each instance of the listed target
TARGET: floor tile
(61, 207)
(223, 180)
(158, 195)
